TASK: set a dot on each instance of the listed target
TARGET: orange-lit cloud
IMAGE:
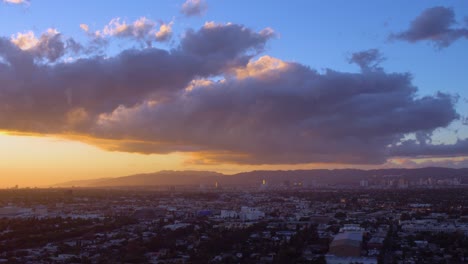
(164, 32)
(25, 40)
(50, 45)
(143, 30)
(212, 97)
(17, 2)
(264, 67)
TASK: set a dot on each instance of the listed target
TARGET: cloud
(84, 27)
(142, 30)
(367, 60)
(98, 41)
(275, 112)
(50, 45)
(417, 148)
(458, 162)
(210, 97)
(43, 97)
(17, 2)
(165, 32)
(217, 42)
(434, 25)
(25, 41)
(194, 7)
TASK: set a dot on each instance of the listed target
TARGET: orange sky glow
(41, 161)
(38, 161)
(140, 88)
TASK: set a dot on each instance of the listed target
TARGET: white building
(228, 214)
(250, 214)
(352, 228)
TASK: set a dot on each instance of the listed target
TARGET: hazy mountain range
(321, 176)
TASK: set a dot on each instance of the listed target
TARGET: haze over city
(95, 89)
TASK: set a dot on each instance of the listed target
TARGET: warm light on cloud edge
(216, 101)
(64, 159)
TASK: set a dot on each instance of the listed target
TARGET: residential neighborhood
(256, 225)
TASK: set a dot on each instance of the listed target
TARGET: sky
(92, 89)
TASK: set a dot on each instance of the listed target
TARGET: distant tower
(216, 185)
(364, 183)
(264, 185)
(402, 183)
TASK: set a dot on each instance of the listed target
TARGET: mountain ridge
(314, 176)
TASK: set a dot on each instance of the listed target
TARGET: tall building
(364, 183)
(264, 185)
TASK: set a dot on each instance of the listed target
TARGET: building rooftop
(354, 235)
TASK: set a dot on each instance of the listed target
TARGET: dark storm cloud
(54, 97)
(216, 44)
(53, 46)
(209, 97)
(288, 115)
(435, 25)
(415, 148)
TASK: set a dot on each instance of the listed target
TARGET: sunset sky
(92, 89)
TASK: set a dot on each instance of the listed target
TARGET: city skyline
(103, 90)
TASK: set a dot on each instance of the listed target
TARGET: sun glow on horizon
(205, 85)
(40, 161)
(30, 160)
